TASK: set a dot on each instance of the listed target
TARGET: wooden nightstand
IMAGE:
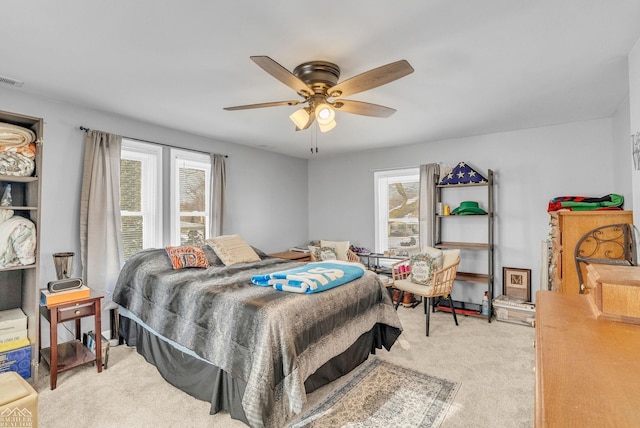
(293, 255)
(65, 356)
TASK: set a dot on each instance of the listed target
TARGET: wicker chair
(441, 282)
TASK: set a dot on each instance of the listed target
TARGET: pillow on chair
(424, 264)
(322, 253)
(341, 248)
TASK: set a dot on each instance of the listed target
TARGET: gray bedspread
(272, 340)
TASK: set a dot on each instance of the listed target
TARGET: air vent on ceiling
(11, 82)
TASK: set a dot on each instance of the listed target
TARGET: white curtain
(100, 223)
(429, 176)
(218, 183)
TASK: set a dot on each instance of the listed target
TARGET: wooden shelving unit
(486, 246)
(19, 285)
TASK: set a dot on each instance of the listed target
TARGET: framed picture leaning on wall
(516, 283)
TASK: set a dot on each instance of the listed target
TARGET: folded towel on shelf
(16, 164)
(17, 242)
(311, 277)
(15, 136)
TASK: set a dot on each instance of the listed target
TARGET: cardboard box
(48, 298)
(18, 402)
(514, 311)
(13, 335)
(17, 360)
(12, 320)
(14, 344)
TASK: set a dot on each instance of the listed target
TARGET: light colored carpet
(493, 363)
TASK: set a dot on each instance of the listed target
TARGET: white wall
(531, 166)
(621, 150)
(634, 112)
(255, 182)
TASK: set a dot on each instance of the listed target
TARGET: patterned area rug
(381, 394)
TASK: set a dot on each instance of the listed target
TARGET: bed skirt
(204, 381)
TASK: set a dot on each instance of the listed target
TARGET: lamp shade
(326, 127)
(325, 114)
(300, 118)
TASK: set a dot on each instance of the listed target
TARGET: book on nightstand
(48, 298)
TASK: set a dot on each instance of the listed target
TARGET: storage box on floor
(15, 350)
(13, 325)
(514, 310)
(18, 402)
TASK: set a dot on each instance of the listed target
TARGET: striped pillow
(232, 249)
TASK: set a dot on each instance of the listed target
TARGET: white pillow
(322, 253)
(341, 248)
(424, 264)
(232, 249)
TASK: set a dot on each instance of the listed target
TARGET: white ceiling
(480, 66)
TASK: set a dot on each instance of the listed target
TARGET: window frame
(186, 158)
(150, 156)
(382, 179)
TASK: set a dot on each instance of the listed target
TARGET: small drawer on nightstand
(73, 312)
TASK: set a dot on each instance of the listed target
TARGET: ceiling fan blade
(312, 117)
(273, 104)
(371, 79)
(362, 108)
(283, 75)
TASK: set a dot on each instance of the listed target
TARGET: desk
(587, 369)
(373, 261)
(65, 356)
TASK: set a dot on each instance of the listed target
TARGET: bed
(250, 350)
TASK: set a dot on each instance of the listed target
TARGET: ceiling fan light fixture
(327, 127)
(325, 114)
(300, 118)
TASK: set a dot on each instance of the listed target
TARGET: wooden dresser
(587, 369)
(567, 227)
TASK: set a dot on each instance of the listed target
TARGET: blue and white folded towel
(312, 277)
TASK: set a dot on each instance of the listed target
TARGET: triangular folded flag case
(463, 174)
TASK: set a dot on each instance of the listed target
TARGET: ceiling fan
(317, 83)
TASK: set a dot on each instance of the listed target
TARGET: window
(141, 189)
(190, 184)
(140, 196)
(396, 209)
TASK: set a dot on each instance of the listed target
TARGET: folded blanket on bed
(312, 277)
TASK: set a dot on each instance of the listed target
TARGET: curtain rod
(393, 168)
(85, 129)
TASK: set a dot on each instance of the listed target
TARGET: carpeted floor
(492, 363)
